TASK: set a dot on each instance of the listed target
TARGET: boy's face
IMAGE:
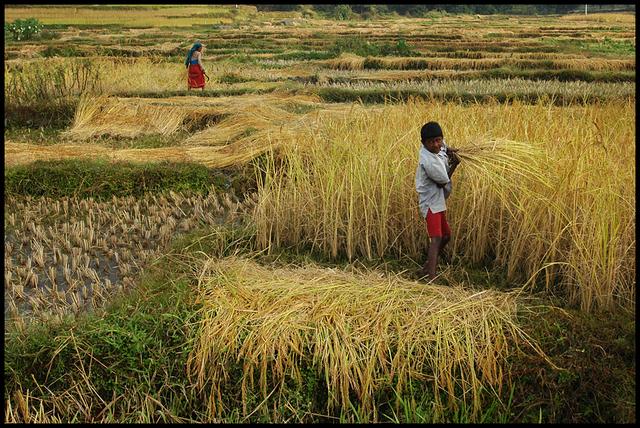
(433, 144)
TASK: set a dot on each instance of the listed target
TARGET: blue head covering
(195, 47)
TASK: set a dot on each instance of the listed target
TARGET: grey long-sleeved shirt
(432, 170)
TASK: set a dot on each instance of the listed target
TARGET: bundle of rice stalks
(494, 157)
(170, 154)
(131, 117)
(237, 153)
(362, 332)
(242, 121)
(123, 117)
(346, 61)
(247, 147)
(252, 127)
(22, 153)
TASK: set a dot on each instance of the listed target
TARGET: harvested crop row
(355, 62)
(511, 88)
(68, 255)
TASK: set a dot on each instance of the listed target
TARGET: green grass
(101, 179)
(56, 114)
(304, 55)
(47, 136)
(598, 355)
(362, 47)
(42, 136)
(606, 47)
(63, 51)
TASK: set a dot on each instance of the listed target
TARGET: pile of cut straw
(362, 331)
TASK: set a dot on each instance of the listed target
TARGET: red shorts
(437, 225)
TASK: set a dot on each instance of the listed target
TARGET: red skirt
(195, 79)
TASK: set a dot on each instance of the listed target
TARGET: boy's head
(431, 136)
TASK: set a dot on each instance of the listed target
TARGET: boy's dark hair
(430, 130)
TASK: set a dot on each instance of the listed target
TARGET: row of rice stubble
(68, 255)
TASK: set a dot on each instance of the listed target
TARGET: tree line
(349, 11)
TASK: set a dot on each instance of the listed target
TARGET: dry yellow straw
(362, 331)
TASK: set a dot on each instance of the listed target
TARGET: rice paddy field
(248, 253)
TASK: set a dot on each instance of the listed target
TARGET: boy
(436, 165)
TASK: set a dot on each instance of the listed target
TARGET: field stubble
(69, 255)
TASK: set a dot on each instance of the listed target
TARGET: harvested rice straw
(253, 114)
(234, 154)
(130, 117)
(172, 154)
(243, 119)
(514, 157)
(237, 153)
(362, 332)
(21, 153)
(346, 61)
(123, 117)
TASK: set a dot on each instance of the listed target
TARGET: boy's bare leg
(429, 267)
(443, 243)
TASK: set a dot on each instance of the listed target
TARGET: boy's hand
(454, 159)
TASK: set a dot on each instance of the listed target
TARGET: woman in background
(196, 72)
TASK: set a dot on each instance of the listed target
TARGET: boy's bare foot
(423, 275)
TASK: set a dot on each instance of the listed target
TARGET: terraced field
(246, 253)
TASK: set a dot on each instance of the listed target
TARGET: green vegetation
(598, 358)
(101, 179)
(607, 46)
(47, 136)
(363, 47)
(46, 94)
(24, 29)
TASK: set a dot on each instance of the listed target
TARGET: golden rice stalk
(96, 116)
(254, 118)
(513, 157)
(347, 187)
(38, 253)
(22, 153)
(362, 331)
(346, 61)
(250, 114)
